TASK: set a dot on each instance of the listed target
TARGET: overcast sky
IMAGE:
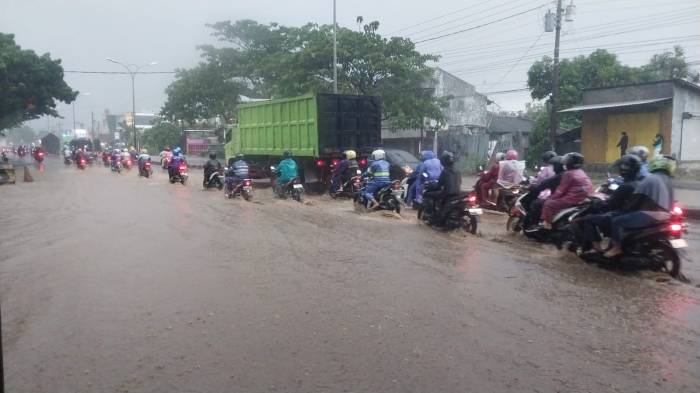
(495, 57)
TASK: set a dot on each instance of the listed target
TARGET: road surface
(112, 283)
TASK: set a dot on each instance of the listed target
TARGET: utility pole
(335, 50)
(555, 81)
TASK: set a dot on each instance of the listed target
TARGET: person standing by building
(622, 144)
(658, 144)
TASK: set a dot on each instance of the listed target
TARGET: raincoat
(575, 186)
(431, 168)
(379, 170)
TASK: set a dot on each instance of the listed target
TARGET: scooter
(214, 180)
(39, 156)
(81, 162)
(180, 176)
(460, 211)
(349, 188)
(292, 188)
(387, 197)
(117, 166)
(243, 188)
(145, 170)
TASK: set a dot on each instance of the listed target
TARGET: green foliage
(30, 84)
(24, 135)
(670, 65)
(272, 61)
(161, 135)
(539, 136)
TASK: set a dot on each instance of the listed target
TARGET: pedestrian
(622, 144)
(658, 144)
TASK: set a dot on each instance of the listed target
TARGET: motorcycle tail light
(363, 162)
(246, 183)
(182, 167)
(677, 211)
(41, 154)
(335, 162)
(676, 228)
(471, 199)
(320, 163)
(148, 165)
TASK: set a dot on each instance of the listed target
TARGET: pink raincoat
(574, 188)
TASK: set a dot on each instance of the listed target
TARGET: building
(670, 108)
(144, 121)
(466, 120)
(510, 132)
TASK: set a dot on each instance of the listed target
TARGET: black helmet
(548, 155)
(573, 161)
(557, 164)
(447, 158)
(629, 166)
(287, 154)
(212, 156)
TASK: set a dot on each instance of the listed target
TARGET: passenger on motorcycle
(650, 204)
(510, 172)
(488, 180)
(429, 170)
(286, 171)
(237, 171)
(175, 160)
(643, 153)
(165, 156)
(378, 170)
(534, 199)
(574, 188)
(115, 157)
(628, 166)
(345, 170)
(211, 166)
(143, 158)
(449, 184)
(547, 170)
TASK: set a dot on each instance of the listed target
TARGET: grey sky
(84, 32)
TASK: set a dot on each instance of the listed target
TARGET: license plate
(248, 189)
(298, 186)
(476, 212)
(679, 243)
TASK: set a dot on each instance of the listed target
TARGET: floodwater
(114, 283)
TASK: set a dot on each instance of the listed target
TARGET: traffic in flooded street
(121, 283)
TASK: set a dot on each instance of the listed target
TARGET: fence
(472, 150)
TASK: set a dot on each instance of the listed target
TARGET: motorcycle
(292, 188)
(243, 188)
(127, 163)
(145, 170)
(180, 176)
(610, 185)
(67, 160)
(39, 156)
(349, 188)
(387, 197)
(460, 211)
(117, 166)
(81, 162)
(214, 180)
(106, 159)
(562, 224)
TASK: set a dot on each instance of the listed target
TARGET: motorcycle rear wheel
(666, 259)
(247, 196)
(470, 224)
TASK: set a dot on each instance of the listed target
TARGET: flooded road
(112, 283)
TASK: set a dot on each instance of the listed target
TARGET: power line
(520, 59)
(433, 19)
(481, 25)
(116, 72)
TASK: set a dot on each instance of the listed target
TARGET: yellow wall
(641, 128)
(593, 136)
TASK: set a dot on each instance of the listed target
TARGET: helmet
(166, 148)
(378, 155)
(548, 155)
(557, 164)
(447, 158)
(212, 156)
(239, 157)
(629, 166)
(511, 155)
(663, 163)
(177, 151)
(499, 157)
(144, 151)
(640, 151)
(427, 155)
(350, 154)
(573, 161)
(287, 154)
(125, 151)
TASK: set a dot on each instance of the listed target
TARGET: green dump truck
(317, 129)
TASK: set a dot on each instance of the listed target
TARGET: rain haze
(494, 58)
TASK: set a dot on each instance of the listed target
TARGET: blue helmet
(177, 151)
(427, 155)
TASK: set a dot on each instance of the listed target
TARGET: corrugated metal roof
(614, 105)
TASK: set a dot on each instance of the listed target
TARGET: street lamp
(132, 70)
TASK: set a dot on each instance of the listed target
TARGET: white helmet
(378, 155)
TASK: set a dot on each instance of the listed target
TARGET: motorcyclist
(534, 199)
(143, 158)
(211, 166)
(488, 180)
(629, 166)
(237, 171)
(650, 204)
(165, 156)
(174, 164)
(546, 171)
(344, 171)
(286, 171)
(133, 153)
(379, 172)
(115, 158)
(449, 184)
(575, 187)
(643, 153)
(510, 172)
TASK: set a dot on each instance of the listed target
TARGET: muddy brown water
(112, 283)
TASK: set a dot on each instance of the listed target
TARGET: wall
(685, 100)
(641, 127)
(471, 149)
(467, 109)
(594, 136)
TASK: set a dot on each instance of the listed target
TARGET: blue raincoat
(431, 168)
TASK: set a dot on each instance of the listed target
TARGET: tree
(279, 61)
(22, 135)
(203, 92)
(30, 84)
(161, 135)
(670, 65)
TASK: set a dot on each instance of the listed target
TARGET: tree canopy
(271, 61)
(161, 135)
(30, 84)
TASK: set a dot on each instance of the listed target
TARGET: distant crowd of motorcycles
(629, 221)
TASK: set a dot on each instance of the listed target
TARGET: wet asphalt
(114, 283)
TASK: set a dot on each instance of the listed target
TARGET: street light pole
(555, 81)
(132, 70)
(335, 50)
